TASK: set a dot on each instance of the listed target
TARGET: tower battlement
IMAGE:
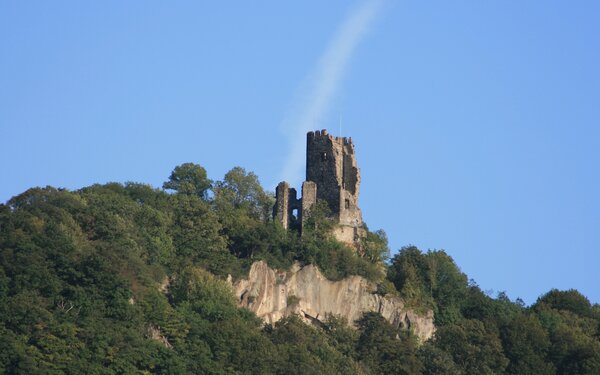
(332, 175)
(311, 135)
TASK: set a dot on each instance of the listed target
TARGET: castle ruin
(332, 176)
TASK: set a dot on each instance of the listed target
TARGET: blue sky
(476, 123)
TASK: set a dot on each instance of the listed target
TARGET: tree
(384, 350)
(575, 348)
(570, 300)
(375, 246)
(408, 272)
(243, 191)
(318, 224)
(436, 361)
(189, 178)
(526, 345)
(475, 347)
(196, 235)
(204, 293)
(340, 335)
(304, 349)
(447, 284)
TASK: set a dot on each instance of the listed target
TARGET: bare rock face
(304, 291)
(154, 333)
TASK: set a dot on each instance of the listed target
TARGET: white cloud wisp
(308, 112)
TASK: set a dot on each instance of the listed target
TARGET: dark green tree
(526, 345)
(189, 178)
(196, 234)
(474, 347)
(408, 271)
(436, 361)
(569, 300)
(375, 246)
(385, 350)
(242, 191)
(306, 350)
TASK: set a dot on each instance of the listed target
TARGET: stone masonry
(332, 175)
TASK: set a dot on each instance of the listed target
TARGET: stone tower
(332, 175)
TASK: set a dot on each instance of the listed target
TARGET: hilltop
(127, 278)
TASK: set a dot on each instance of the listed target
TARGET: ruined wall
(331, 165)
(350, 214)
(280, 211)
(324, 167)
(309, 198)
(332, 175)
(286, 203)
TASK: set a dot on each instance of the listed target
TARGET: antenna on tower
(340, 124)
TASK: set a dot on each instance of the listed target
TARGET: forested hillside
(127, 278)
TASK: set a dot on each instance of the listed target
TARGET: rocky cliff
(304, 291)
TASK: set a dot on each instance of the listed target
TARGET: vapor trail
(314, 103)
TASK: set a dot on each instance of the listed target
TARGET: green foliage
(437, 361)
(574, 345)
(199, 290)
(340, 335)
(335, 259)
(196, 234)
(243, 209)
(386, 287)
(569, 300)
(384, 350)
(432, 280)
(475, 347)
(312, 353)
(126, 278)
(189, 179)
(80, 274)
(526, 345)
(317, 224)
(292, 300)
(478, 334)
(375, 246)
(242, 191)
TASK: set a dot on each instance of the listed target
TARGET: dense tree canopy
(126, 278)
(189, 178)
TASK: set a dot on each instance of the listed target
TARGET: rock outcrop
(304, 291)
